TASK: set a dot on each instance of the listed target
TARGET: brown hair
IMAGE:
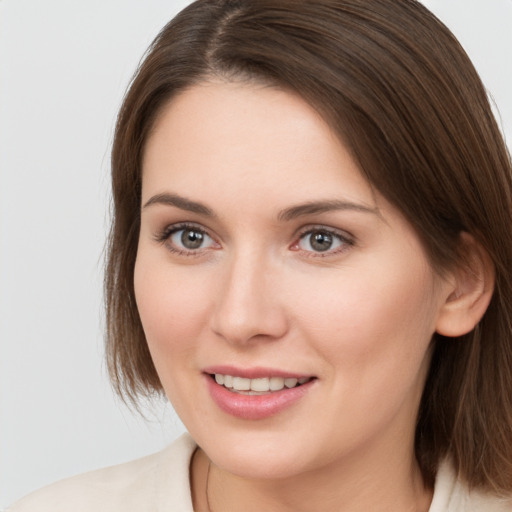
(403, 96)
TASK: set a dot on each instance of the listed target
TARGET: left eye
(320, 240)
(191, 239)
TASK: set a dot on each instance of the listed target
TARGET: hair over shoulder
(401, 93)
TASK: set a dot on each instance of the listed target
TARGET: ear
(470, 290)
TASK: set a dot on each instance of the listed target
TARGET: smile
(258, 386)
(254, 396)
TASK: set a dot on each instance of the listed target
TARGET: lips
(256, 393)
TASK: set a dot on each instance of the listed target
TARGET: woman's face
(266, 260)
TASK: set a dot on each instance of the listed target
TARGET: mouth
(256, 393)
(258, 386)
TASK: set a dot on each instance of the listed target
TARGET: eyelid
(163, 237)
(348, 240)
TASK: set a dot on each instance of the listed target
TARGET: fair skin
(237, 273)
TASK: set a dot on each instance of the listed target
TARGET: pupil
(321, 241)
(191, 239)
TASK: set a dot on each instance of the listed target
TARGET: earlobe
(472, 286)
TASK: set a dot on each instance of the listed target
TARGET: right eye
(187, 240)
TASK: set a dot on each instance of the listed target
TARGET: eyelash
(345, 240)
(164, 236)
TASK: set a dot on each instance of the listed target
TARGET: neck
(350, 487)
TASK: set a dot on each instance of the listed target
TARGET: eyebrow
(293, 212)
(180, 202)
(316, 207)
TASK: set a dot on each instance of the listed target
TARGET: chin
(258, 455)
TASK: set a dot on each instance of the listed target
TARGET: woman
(311, 257)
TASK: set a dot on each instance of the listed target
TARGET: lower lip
(255, 407)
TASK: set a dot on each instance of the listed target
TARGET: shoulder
(156, 482)
(452, 495)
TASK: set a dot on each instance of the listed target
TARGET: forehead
(248, 137)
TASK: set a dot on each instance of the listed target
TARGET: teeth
(241, 384)
(276, 383)
(290, 383)
(260, 385)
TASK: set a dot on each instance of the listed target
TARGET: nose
(248, 305)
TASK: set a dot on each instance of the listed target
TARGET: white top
(160, 483)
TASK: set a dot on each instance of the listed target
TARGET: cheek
(373, 326)
(171, 305)
(373, 333)
(172, 308)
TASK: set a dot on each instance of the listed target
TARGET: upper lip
(256, 372)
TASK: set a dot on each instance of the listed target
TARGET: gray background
(64, 66)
